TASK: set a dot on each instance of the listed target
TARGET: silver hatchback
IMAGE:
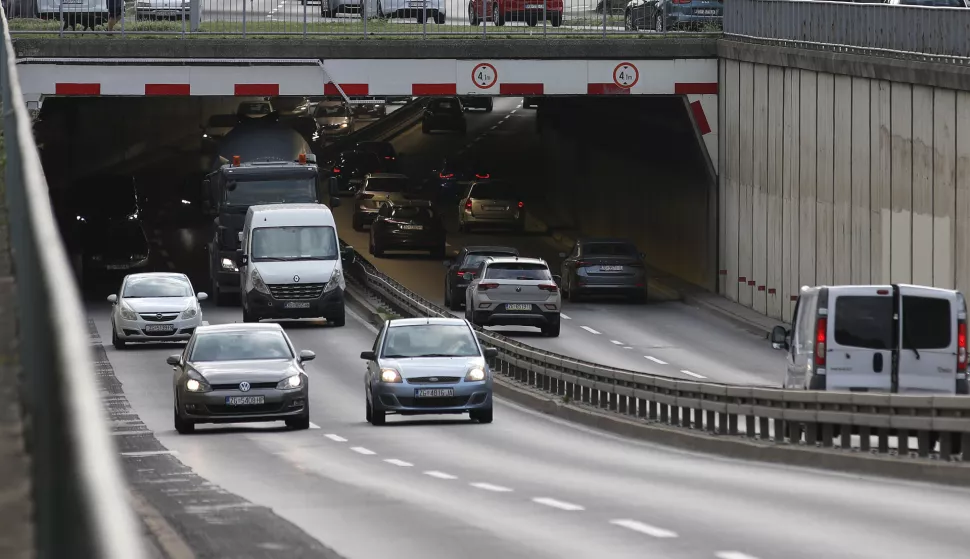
(491, 203)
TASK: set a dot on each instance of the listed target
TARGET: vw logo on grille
(433, 379)
(518, 289)
(296, 279)
(244, 386)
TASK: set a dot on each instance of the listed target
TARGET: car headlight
(390, 375)
(128, 313)
(475, 374)
(193, 385)
(290, 383)
(228, 264)
(190, 312)
(343, 125)
(133, 216)
(334, 282)
(258, 283)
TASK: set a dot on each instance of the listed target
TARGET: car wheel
(217, 297)
(552, 330)
(338, 320)
(488, 109)
(299, 423)
(439, 18)
(248, 317)
(556, 19)
(358, 223)
(628, 21)
(498, 18)
(115, 340)
(182, 426)
(472, 15)
(481, 416)
(377, 417)
(325, 9)
(531, 21)
(659, 24)
(368, 416)
(421, 16)
(378, 250)
(456, 303)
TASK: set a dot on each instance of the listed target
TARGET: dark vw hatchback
(461, 269)
(407, 225)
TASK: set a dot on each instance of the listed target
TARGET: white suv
(511, 291)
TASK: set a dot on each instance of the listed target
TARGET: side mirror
(557, 279)
(562, 255)
(446, 263)
(368, 355)
(642, 256)
(779, 337)
(348, 255)
(334, 202)
(202, 296)
(173, 360)
(239, 236)
(241, 259)
(491, 353)
(307, 355)
(333, 186)
(112, 298)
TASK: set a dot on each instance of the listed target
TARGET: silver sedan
(422, 366)
(154, 307)
(236, 373)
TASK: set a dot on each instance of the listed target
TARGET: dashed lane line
(314, 425)
(148, 453)
(692, 374)
(490, 487)
(362, 450)
(732, 555)
(627, 347)
(439, 475)
(590, 330)
(336, 438)
(397, 462)
(644, 528)
(616, 342)
(655, 360)
(561, 315)
(561, 505)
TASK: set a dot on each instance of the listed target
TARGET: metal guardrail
(914, 32)
(823, 420)
(360, 18)
(80, 496)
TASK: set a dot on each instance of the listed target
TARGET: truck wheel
(337, 320)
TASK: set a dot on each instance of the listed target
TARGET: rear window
(864, 321)
(926, 323)
(386, 185)
(517, 271)
(492, 191)
(473, 260)
(449, 106)
(609, 249)
(416, 213)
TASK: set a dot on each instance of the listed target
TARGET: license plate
(413, 227)
(159, 328)
(706, 12)
(117, 266)
(518, 307)
(244, 400)
(434, 392)
(296, 305)
(533, 6)
(496, 208)
(611, 268)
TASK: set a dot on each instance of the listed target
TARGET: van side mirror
(348, 255)
(779, 337)
(491, 353)
(368, 355)
(241, 259)
(240, 236)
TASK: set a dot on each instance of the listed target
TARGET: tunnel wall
(830, 179)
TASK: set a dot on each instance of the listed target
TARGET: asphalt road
(525, 486)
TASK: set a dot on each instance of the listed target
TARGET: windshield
(105, 198)
(517, 271)
(610, 249)
(362, 162)
(430, 340)
(380, 148)
(331, 110)
(255, 108)
(255, 192)
(446, 106)
(415, 213)
(294, 243)
(492, 191)
(240, 346)
(170, 286)
(473, 260)
(379, 184)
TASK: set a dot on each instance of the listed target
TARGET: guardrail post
(651, 410)
(749, 426)
(846, 432)
(946, 445)
(712, 422)
(865, 438)
(811, 434)
(665, 413)
(764, 430)
(614, 401)
(561, 387)
(675, 415)
(623, 407)
(883, 440)
(587, 396)
(732, 424)
(902, 440)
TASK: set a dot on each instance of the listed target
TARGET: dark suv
(407, 225)
(460, 269)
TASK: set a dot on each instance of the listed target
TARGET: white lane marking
(643, 528)
(655, 360)
(627, 347)
(513, 111)
(397, 462)
(362, 450)
(490, 487)
(562, 315)
(616, 342)
(695, 375)
(562, 505)
(163, 252)
(732, 555)
(439, 475)
(494, 127)
(590, 330)
(519, 106)
(314, 425)
(336, 438)
(148, 453)
(448, 245)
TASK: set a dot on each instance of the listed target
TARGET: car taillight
(583, 263)
(521, 205)
(820, 334)
(388, 157)
(961, 346)
(549, 287)
(487, 286)
(682, 1)
(461, 274)
(485, 176)
(468, 205)
(444, 176)
(336, 169)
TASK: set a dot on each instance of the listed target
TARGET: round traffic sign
(484, 75)
(625, 75)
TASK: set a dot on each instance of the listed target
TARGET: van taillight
(820, 333)
(962, 346)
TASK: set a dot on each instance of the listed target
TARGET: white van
(290, 264)
(877, 338)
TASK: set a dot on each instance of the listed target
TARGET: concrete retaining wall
(830, 178)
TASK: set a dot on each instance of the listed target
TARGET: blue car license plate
(434, 392)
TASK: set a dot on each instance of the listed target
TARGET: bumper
(365, 216)
(500, 317)
(400, 398)
(114, 266)
(456, 125)
(630, 286)
(136, 330)
(410, 242)
(692, 20)
(210, 407)
(329, 304)
(510, 221)
(335, 132)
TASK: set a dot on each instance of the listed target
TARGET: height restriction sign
(625, 75)
(484, 75)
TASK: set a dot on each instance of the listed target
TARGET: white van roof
(271, 215)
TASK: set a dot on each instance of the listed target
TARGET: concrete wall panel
(901, 119)
(824, 177)
(963, 191)
(759, 194)
(922, 240)
(722, 180)
(808, 143)
(775, 219)
(944, 187)
(842, 182)
(861, 172)
(880, 193)
(745, 229)
(732, 205)
(791, 177)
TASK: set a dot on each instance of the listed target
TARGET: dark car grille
(235, 385)
(159, 317)
(452, 402)
(297, 291)
(428, 380)
(218, 409)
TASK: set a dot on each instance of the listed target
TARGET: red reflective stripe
(521, 89)
(167, 89)
(349, 88)
(702, 124)
(77, 89)
(434, 89)
(605, 89)
(257, 89)
(702, 88)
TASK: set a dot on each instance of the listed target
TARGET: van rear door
(928, 340)
(860, 338)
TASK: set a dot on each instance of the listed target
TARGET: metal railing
(80, 495)
(917, 32)
(917, 427)
(361, 18)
